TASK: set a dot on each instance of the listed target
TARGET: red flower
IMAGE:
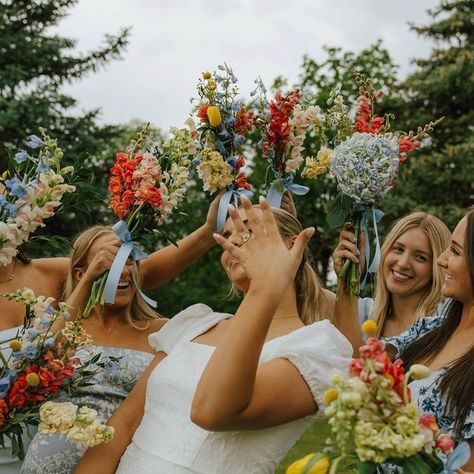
(241, 181)
(405, 146)
(355, 367)
(150, 194)
(445, 443)
(17, 394)
(243, 122)
(202, 112)
(3, 411)
(115, 185)
(428, 421)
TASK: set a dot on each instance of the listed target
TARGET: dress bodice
(168, 441)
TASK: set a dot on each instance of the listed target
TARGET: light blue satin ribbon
(370, 213)
(231, 195)
(128, 248)
(278, 188)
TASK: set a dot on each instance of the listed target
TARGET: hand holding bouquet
(224, 126)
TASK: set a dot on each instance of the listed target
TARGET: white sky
(173, 41)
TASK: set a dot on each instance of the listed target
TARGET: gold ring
(245, 237)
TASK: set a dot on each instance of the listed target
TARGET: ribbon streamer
(231, 195)
(368, 214)
(278, 188)
(128, 248)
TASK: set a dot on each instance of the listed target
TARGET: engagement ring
(245, 237)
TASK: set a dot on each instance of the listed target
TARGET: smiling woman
(408, 283)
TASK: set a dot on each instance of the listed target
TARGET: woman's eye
(397, 249)
(454, 250)
(421, 258)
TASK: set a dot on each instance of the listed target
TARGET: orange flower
(150, 194)
(202, 112)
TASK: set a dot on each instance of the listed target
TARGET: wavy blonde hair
(137, 310)
(312, 303)
(439, 237)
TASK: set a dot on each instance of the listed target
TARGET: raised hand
(347, 248)
(258, 246)
(102, 259)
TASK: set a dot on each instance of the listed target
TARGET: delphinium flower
(30, 191)
(224, 125)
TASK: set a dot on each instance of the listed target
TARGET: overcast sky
(172, 41)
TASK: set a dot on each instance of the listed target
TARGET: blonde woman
(231, 394)
(408, 281)
(120, 333)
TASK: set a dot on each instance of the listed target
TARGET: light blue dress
(53, 453)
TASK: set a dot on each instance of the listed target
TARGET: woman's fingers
(299, 246)
(227, 245)
(253, 221)
(269, 222)
(236, 219)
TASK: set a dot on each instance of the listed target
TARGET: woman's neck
(287, 307)
(404, 309)
(467, 318)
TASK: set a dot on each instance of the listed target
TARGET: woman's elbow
(206, 417)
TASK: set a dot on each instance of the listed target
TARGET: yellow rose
(212, 85)
(314, 463)
(369, 328)
(206, 75)
(330, 395)
(33, 379)
(15, 345)
(214, 116)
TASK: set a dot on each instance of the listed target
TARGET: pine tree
(34, 65)
(439, 178)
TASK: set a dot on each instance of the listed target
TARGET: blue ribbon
(278, 188)
(458, 458)
(231, 195)
(128, 248)
(370, 213)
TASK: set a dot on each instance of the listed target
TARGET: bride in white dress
(231, 394)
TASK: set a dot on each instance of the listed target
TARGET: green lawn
(312, 440)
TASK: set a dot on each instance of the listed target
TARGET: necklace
(12, 275)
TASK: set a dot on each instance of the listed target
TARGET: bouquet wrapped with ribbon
(365, 162)
(374, 422)
(30, 190)
(224, 126)
(145, 188)
(285, 121)
(37, 365)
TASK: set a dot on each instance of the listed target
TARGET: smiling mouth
(400, 276)
(447, 276)
(123, 285)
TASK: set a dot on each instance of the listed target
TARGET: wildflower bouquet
(365, 162)
(37, 365)
(145, 188)
(30, 190)
(224, 126)
(373, 420)
(285, 121)
(79, 425)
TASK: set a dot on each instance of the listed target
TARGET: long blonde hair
(137, 310)
(439, 237)
(311, 301)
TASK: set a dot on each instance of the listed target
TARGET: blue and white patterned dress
(426, 391)
(53, 453)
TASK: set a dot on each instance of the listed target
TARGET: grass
(311, 441)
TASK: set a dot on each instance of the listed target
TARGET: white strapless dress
(168, 442)
(9, 464)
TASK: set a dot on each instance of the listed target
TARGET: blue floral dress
(426, 391)
(123, 367)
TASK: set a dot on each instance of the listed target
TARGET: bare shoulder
(156, 324)
(53, 264)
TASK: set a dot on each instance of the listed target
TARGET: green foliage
(438, 178)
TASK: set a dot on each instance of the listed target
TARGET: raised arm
(234, 391)
(164, 264)
(346, 311)
(105, 458)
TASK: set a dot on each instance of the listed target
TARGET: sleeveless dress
(167, 441)
(54, 453)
